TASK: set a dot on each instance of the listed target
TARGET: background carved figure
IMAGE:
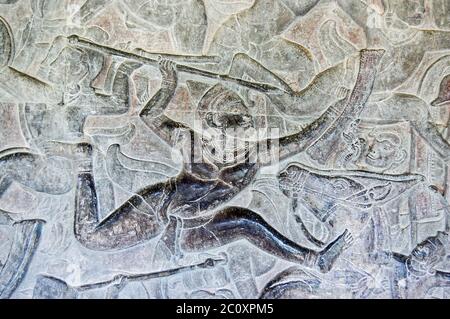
(224, 149)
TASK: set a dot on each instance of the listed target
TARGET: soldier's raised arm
(153, 112)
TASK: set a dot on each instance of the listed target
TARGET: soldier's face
(424, 257)
(381, 153)
(231, 124)
(229, 116)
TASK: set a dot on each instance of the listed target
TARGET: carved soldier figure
(386, 104)
(25, 234)
(412, 276)
(52, 120)
(187, 210)
(182, 24)
(251, 43)
(185, 21)
(398, 27)
(248, 43)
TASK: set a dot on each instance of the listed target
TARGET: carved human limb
(254, 45)
(20, 167)
(327, 127)
(137, 219)
(243, 64)
(434, 138)
(26, 238)
(236, 223)
(321, 92)
(153, 112)
(5, 219)
(134, 222)
(158, 207)
(42, 174)
(188, 29)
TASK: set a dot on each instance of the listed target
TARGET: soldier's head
(384, 150)
(427, 255)
(227, 127)
(290, 179)
(223, 111)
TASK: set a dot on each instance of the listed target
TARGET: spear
(49, 287)
(77, 41)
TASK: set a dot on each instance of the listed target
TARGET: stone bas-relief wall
(224, 149)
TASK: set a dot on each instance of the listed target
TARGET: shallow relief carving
(224, 149)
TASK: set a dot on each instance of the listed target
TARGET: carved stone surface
(224, 149)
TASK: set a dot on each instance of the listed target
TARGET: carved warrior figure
(47, 127)
(419, 272)
(45, 24)
(24, 243)
(255, 47)
(324, 191)
(246, 43)
(398, 27)
(54, 132)
(53, 124)
(412, 276)
(181, 210)
(324, 197)
(386, 105)
(251, 42)
(388, 108)
(26, 233)
(321, 91)
(185, 22)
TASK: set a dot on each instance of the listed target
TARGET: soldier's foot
(329, 255)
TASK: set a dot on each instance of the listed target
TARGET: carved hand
(168, 73)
